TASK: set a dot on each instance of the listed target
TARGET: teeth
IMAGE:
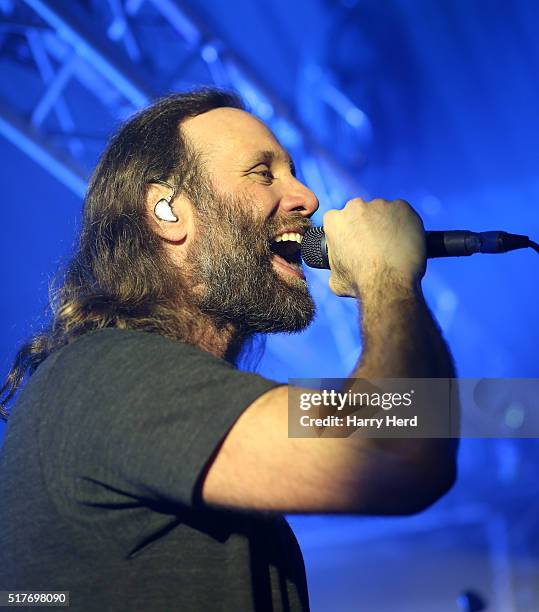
(292, 236)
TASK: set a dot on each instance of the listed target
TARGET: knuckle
(355, 202)
(405, 206)
(401, 202)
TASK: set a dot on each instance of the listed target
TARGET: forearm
(400, 337)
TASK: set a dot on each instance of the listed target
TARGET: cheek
(263, 199)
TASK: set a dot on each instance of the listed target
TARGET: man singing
(141, 470)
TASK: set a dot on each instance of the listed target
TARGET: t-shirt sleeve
(140, 414)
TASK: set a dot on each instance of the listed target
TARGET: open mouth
(286, 249)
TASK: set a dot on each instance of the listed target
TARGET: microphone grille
(313, 248)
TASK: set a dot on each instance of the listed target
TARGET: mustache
(291, 224)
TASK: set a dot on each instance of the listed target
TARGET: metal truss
(100, 51)
(88, 65)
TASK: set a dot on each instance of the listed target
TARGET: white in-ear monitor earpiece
(163, 211)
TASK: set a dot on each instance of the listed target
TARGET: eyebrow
(269, 156)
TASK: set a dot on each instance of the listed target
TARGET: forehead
(230, 133)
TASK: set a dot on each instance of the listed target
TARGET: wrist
(387, 286)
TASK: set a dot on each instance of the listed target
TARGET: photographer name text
(354, 421)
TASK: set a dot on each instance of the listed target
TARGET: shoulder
(111, 338)
(106, 364)
(119, 363)
(106, 347)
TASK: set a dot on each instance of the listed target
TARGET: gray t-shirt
(99, 484)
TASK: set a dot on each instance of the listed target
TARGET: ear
(177, 207)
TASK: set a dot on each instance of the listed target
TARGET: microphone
(451, 243)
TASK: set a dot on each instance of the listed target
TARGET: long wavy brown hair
(119, 275)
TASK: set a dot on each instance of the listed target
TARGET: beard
(230, 264)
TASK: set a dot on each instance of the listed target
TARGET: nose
(299, 198)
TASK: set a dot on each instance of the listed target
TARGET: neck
(215, 335)
(223, 340)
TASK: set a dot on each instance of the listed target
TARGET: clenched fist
(371, 242)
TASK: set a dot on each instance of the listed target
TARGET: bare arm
(259, 467)
(400, 337)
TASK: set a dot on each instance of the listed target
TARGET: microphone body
(451, 243)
